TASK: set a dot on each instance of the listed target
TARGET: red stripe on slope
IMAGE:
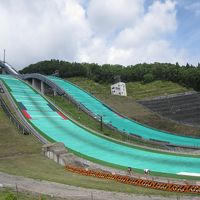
(63, 116)
(26, 114)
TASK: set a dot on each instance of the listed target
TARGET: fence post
(92, 196)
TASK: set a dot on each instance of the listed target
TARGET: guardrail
(24, 125)
(171, 187)
(8, 68)
(13, 119)
(45, 80)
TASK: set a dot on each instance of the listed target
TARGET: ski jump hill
(53, 125)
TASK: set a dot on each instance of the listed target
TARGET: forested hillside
(188, 75)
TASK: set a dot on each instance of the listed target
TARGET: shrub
(148, 78)
(10, 196)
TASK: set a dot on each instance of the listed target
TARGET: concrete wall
(56, 152)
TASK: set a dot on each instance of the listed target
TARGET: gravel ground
(72, 192)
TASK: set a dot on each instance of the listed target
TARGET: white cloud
(100, 31)
(40, 29)
(108, 16)
(155, 51)
(95, 51)
(160, 19)
(144, 40)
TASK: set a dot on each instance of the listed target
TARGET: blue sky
(188, 32)
(101, 31)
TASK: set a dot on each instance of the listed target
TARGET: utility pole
(101, 121)
(4, 55)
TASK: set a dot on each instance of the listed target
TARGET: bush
(10, 196)
(148, 78)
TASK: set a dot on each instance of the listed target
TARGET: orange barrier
(136, 181)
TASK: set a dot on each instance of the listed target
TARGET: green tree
(148, 78)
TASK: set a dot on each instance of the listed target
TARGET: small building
(119, 89)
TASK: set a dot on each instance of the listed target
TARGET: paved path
(72, 192)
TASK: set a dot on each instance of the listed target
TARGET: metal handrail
(24, 123)
(8, 68)
(25, 130)
(45, 80)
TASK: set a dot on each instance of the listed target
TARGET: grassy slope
(136, 90)
(140, 91)
(129, 107)
(21, 155)
(25, 195)
(87, 121)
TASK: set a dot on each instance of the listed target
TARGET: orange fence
(136, 181)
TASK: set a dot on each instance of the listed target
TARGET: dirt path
(72, 192)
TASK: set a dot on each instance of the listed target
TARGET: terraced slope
(183, 108)
(54, 125)
(121, 123)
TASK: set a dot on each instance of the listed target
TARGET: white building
(119, 89)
